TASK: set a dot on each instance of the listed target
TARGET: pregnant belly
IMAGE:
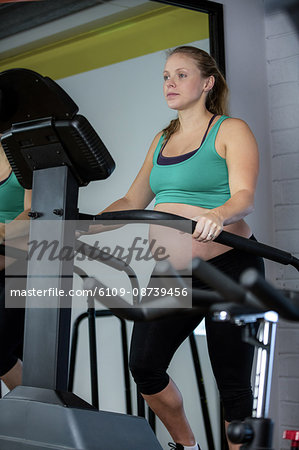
(181, 247)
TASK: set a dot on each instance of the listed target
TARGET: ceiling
(24, 15)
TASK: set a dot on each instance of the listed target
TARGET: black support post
(47, 322)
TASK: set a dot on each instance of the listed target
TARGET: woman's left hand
(208, 227)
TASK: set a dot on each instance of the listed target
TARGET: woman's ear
(210, 81)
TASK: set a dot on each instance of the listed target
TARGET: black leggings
(154, 344)
(11, 325)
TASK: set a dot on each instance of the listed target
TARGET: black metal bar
(47, 325)
(93, 357)
(149, 310)
(205, 6)
(93, 353)
(183, 224)
(219, 281)
(257, 248)
(216, 32)
(125, 352)
(140, 403)
(91, 315)
(73, 352)
(152, 419)
(108, 313)
(223, 440)
(202, 392)
(216, 27)
(116, 263)
(270, 296)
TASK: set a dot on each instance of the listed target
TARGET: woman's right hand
(209, 225)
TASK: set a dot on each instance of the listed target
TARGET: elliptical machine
(54, 150)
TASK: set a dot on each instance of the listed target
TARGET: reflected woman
(15, 202)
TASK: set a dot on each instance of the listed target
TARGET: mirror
(216, 29)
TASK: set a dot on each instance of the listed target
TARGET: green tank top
(11, 199)
(201, 180)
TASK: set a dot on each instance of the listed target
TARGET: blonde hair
(217, 98)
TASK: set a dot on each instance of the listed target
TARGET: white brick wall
(282, 51)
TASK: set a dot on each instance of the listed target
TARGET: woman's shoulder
(233, 125)
(159, 136)
(157, 141)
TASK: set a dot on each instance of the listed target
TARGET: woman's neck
(193, 118)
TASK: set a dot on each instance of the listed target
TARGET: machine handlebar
(225, 238)
(272, 298)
